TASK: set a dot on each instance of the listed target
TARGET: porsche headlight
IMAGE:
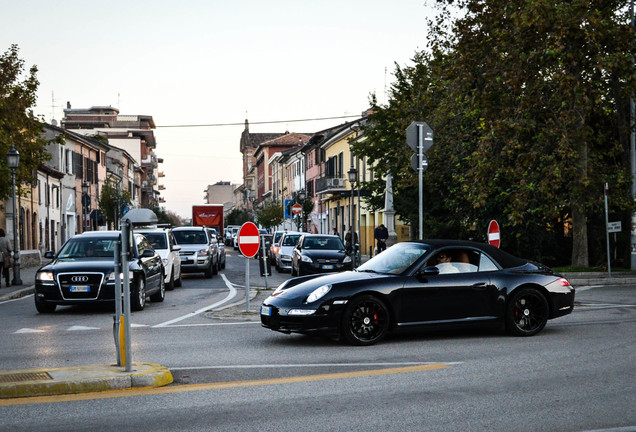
(318, 293)
(45, 276)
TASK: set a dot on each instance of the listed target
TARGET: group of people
(5, 257)
(380, 235)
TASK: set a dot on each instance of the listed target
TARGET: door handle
(479, 285)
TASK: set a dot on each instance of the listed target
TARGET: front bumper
(323, 321)
(195, 264)
(316, 267)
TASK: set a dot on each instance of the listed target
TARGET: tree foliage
(529, 105)
(238, 217)
(270, 214)
(112, 202)
(19, 127)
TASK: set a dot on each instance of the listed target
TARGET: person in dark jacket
(5, 253)
(380, 234)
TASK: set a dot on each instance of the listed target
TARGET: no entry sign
(494, 237)
(297, 209)
(248, 239)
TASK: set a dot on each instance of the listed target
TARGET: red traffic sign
(297, 209)
(494, 236)
(248, 239)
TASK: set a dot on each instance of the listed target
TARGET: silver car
(199, 254)
(285, 249)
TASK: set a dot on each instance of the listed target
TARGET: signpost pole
(420, 153)
(125, 254)
(247, 284)
(609, 265)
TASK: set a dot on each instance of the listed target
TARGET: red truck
(209, 215)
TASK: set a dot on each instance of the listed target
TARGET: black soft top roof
(504, 259)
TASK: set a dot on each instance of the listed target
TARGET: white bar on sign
(493, 236)
(248, 239)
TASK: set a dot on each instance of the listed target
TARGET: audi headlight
(45, 276)
(318, 293)
(306, 259)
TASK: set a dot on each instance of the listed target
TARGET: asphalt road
(233, 375)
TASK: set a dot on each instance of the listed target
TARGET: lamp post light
(85, 204)
(13, 161)
(352, 174)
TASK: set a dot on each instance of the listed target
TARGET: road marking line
(229, 297)
(309, 365)
(110, 394)
(16, 299)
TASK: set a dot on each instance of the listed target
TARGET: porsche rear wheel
(365, 321)
(527, 312)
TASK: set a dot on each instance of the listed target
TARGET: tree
(18, 125)
(270, 214)
(238, 217)
(112, 202)
(528, 102)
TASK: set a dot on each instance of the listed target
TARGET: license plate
(327, 267)
(80, 288)
(266, 310)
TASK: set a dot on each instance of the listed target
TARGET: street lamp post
(13, 160)
(301, 196)
(85, 203)
(352, 174)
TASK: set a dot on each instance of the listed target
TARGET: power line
(257, 123)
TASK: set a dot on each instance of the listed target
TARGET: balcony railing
(330, 184)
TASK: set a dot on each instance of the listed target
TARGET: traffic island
(80, 379)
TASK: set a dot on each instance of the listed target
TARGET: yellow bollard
(122, 341)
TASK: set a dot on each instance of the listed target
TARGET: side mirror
(428, 271)
(49, 255)
(148, 253)
(176, 248)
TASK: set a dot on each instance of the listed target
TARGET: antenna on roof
(53, 106)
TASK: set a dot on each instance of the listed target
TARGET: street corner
(81, 379)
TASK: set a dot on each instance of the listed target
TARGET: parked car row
(82, 271)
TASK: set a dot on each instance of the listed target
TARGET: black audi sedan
(318, 253)
(83, 272)
(425, 284)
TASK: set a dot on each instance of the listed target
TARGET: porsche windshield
(396, 259)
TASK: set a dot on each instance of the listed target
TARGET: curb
(81, 379)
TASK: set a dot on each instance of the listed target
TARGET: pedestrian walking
(348, 240)
(380, 234)
(5, 262)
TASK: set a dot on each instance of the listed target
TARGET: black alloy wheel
(365, 321)
(527, 312)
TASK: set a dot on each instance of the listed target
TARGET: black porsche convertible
(432, 283)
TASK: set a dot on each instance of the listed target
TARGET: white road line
(216, 324)
(258, 366)
(229, 297)
(16, 299)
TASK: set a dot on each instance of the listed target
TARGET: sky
(214, 62)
